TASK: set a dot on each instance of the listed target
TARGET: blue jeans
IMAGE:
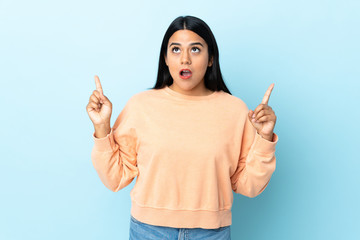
(143, 231)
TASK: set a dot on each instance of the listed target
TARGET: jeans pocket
(134, 219)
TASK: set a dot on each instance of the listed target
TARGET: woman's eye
(196, 49)
(175, 49)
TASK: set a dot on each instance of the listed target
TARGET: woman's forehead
(186, 37)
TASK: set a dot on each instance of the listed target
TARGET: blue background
(51, 50)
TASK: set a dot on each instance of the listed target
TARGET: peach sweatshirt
(188, 153)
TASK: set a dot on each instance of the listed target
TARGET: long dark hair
(213, 77)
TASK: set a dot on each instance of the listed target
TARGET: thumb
(104, 99)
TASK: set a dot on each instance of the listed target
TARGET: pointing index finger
(98, 85)
(267, 94)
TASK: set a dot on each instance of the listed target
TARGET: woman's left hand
(263, 118)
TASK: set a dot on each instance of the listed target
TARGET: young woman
(189, 142)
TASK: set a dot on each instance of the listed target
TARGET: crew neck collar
(179, 95)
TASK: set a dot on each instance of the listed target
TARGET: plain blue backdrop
(51, 50)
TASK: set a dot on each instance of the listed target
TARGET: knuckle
(96, 93)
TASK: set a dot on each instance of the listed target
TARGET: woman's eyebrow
(191, 44)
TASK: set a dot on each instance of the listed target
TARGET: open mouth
(185, 73)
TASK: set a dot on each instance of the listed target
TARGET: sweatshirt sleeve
(114, 156)
(256, 164)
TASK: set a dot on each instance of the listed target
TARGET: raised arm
(114, 152)
(257, 160)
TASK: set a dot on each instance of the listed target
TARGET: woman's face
(188, 58)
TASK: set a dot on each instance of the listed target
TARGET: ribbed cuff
(263, 145)
(104, 144)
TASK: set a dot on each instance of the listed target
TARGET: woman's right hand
(99, 107)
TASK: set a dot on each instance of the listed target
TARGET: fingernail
(253, 115)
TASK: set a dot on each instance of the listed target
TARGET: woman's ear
(211, 62)
(166, 60)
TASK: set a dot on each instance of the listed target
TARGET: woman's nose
(185, 58)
